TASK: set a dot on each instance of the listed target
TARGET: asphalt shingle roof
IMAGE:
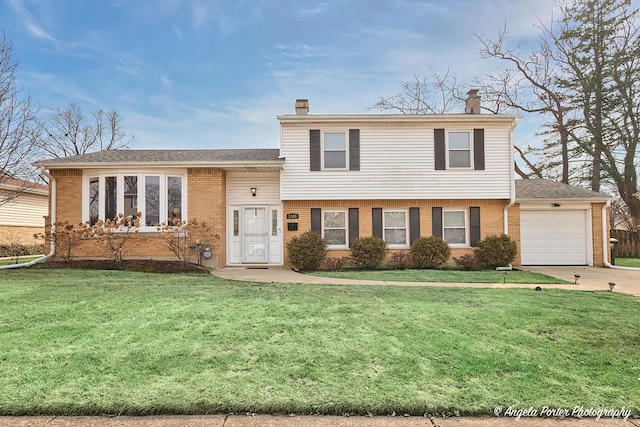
(546, 189)
(173, 156)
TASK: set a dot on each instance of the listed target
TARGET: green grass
(109, 342)
(21, 259)
(445, 276)
(628, 262)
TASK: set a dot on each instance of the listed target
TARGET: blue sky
(215, 74)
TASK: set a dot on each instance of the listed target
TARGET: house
(23, 215)
(389, 175)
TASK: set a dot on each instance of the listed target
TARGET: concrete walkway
(591, 278)
(308, 421)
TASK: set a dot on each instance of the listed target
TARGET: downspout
(52, 247)
(605, 241)
(512, 179)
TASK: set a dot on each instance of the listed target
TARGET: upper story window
(334, 228)
(395, 227)
(459, 148)
(454, 227)
(158, 197)
(334, 150)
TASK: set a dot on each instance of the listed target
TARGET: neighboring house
(23, 216)
(394, 176)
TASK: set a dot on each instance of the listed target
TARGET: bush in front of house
(368, 252)
(496, 250)
(307, 251)
(468, 262)
(335, 263)
(400, 260)
(429, 252)
(19, 249)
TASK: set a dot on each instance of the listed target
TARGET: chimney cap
(472, 92)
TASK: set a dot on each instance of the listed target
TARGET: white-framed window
(396, 228)
(158, 197)
(334, 228)
(459, 148)
(455, 226)
(334, 150)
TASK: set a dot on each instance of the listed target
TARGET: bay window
(157, 197)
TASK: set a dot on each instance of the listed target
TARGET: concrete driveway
(591, 278)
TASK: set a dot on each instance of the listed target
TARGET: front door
(255, 244)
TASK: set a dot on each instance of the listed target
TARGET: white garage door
(553, 237)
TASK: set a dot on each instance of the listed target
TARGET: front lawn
(112, 342)
(628, 262)
(445, 276)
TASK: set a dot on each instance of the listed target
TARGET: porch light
(254, 191)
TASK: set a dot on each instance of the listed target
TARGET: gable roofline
(397, 118)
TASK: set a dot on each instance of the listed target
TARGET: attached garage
(555, 237)
(559, 224)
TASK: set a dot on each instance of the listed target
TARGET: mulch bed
(143, 265)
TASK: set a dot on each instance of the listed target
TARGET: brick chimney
(472, 102)
(302, 106)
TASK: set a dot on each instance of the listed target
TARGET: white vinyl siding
(239, 184)
(396, 162)
(28, 210)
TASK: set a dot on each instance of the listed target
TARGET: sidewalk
(305, 421)
(591, 278)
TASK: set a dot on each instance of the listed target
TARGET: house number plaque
(292, 216)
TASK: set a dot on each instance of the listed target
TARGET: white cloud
(29, 21)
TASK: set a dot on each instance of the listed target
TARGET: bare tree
(70, 132)
(530, 84)
(436, 94)
(17, 125)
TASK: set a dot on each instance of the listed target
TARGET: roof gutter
(52, 247)
(606, 242)
(53, 164)
(512, 177)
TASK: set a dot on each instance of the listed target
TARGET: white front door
(255, 245)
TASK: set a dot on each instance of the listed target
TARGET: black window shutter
(478, 149)
(316, 220)
(436, 221)
(354, 224)
(440, 151)
(474, 225)
(414, 224)
(354, 149)
(376, 220)
(314, 150)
